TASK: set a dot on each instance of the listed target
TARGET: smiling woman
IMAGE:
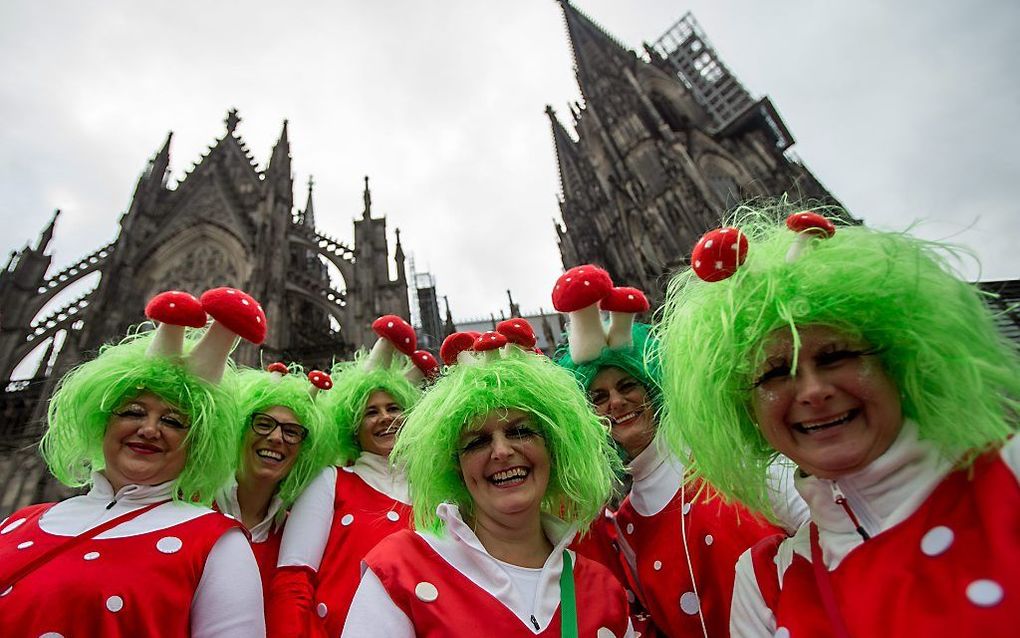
(151, 439)
(350, 506)
(860, 356)
(496, 452)
(283, 445)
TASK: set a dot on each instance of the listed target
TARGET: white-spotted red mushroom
(718, 254)
(454, 345)
(578, 292)
(622, 304)
(488, 344)
(175, 311)
(277, 371)
(425, 367)
(518, 332)
(235, 314)
(395, 335)
(807, 225)
(320, 381)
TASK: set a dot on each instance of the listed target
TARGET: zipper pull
(110, 505)
(534, 622)
(840, 499)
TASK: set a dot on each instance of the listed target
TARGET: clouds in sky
(905, 111)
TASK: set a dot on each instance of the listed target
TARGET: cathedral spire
(572, 181)
(309, 216)
(47, 234)
(595, 51)
(161, 162)
(398, 258)
(367, 213)
(232, 120)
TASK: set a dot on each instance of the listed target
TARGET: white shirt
(228, 600)
(311, 516)
(226, 500)
(373, 613)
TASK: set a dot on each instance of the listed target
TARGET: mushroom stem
(208, 359)
(168, 342)
(620, 324)
(585, 333)
(381, 355)
(414, 375)
(466, 357)
(797, 247)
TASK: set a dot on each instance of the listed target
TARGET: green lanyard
(568, 603)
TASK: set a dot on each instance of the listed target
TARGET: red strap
(825, 587)
(74, 541)
(763, 559)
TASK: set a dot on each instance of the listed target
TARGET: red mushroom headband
(320, 381)
(235, 315)
(718, 254)
(175, 311)
(395, 335)
(426, 367)
(807, 225)
(577, 293)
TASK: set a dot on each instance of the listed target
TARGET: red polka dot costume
(944, 540)
(265, 537)
(169, 572)
(417, 584)
(653, 521)
(364, 504)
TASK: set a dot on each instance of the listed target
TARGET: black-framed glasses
(264, 425)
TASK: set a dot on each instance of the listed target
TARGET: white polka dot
(984, 593)
(347, 519)
(937, 540)
(91, 556)
(244, 302)
(687, 508)
(26, 544)
(709, 539)
(115, 603)
(393, 516)
(782, 632)
(169, 544)
(708, 244)
(426, 591)
(657, 565)
(689, 603)
(322, 610)
(51, 634)
(12, 526)
(389, 324)
(605, 632)
(630, 528)
(7, 591)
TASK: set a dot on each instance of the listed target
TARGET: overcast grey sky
(907, 111)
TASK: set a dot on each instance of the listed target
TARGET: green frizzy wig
(582, 462)
(958, 377)
(344, 405)
(640, 360)
(80, 410)
(258, 391)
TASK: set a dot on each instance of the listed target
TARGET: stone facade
(650, 165)
(227, 223)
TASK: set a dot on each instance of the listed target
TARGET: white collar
(381, 476)
(461, 548)
(102, 490)
(881, 495)
(226, 500)
(657, 476)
